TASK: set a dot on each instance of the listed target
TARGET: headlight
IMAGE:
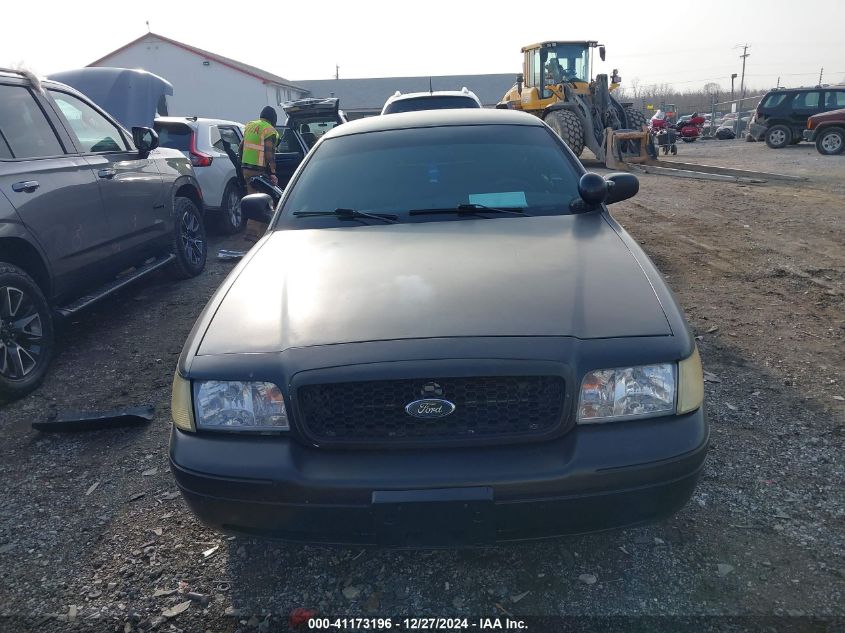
(239, 406)
(627, 392)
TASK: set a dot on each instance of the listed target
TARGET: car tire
(749, 138)
(567, 126)
(778, 136)
(831, 141)
(26, 333)
(189, 240)
(688, 140)
(230, 219)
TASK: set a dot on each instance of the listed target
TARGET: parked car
(85, 209)
(204, 142)
(782, 115)
(307, 121)
(439, 100)
(827, 131)
(451, 343)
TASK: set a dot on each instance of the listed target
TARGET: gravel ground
(94, 536)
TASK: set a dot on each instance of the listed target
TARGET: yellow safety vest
(255, 135)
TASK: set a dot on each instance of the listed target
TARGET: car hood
(540, 276)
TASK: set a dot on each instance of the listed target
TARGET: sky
(377, 38)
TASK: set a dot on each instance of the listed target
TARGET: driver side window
(94, 132)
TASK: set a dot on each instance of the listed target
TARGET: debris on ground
(69, 421)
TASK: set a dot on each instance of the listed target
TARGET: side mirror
(145, 139)
(257, 206)
(602, 52)
(592, 188)
(621, 186)
(519, 81)
(595, 190)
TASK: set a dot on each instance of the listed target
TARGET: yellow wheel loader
(557, 85)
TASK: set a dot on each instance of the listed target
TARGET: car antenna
(430, 89)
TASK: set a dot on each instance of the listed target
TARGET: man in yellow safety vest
(258, 156)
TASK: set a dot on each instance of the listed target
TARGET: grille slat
(487, 407)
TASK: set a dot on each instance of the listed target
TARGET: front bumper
(594, 478)
(809, 135)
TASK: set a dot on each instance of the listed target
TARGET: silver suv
(435, 100)
(85, 209)
(208, 144)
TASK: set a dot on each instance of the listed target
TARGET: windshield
(430, 103)
(566, 62)
(397, 171)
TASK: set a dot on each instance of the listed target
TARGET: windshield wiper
(468, 209)
(348, 214)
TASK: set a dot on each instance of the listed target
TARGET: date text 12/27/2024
(416, 624)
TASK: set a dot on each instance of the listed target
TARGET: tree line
(686, 101)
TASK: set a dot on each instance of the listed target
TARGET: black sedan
(443, 339)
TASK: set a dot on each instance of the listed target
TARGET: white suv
(204, 142)
(435, 100)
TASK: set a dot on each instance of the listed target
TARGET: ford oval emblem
(429, 408)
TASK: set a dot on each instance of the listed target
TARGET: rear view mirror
(519, 81)
(145, 139)
(601, 52)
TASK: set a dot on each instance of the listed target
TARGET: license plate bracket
(442, 517)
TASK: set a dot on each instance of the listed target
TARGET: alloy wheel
(777, 137)
(233, 205)
(832, 143)
(21, 333)
(192, 242)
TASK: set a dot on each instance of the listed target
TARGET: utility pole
(336, 71)
(733, 76)
(778, 86)
(745, 54)
(821, 72)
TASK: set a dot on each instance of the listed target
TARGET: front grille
(487, 407)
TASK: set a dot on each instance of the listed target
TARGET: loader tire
(636, 119)
(567, 126)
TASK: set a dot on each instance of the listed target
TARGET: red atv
(689, 127)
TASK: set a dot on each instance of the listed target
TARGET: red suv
(827, 130)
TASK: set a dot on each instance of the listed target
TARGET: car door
(130, 184)
(53, 189)
(289, 154)
(225, 139)
(804, 105)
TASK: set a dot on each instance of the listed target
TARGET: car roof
(188, 120)
(435, 118)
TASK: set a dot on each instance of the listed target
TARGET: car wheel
(831, 142)
(189, 243)
(686, 139)
(778, 136)
(26, 333)
(230, 220)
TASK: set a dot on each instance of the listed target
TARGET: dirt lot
(92, 536)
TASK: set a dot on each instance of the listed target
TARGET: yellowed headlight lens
(690, 383)
(181, 406)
